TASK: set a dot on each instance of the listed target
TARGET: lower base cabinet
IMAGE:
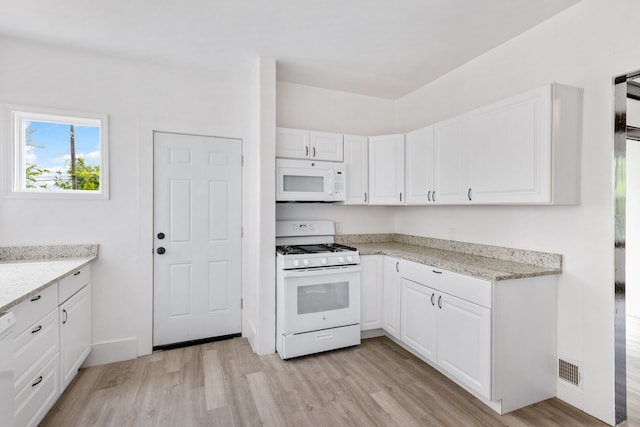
(75, 334)
(371, 292)
(495, 339)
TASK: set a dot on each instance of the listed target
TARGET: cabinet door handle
(66, 316)
(76, 273)
(433, 295)
(314, 151)
(365, 197)
(440, 301)
(306, 151)
(38, 381)
(36, 330)
(436, 271)
(433, 196)
(429, 195)
(401, 196)
(36, 298)
(469, 194)
(398, 266)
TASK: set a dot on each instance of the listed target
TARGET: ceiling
(381, 48)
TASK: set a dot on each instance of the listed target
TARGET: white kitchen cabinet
(419, 163)
(35, 354)
(356, 161)
(418, 314)
(313, 145)
(75, 333)
(525, 149)
(386, 170)
(464, 342)
(391, 296)
(450, 161)
(371, 282)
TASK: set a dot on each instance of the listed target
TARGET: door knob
(161, 250)
(160, 236)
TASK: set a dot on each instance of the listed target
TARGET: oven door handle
(311, 272)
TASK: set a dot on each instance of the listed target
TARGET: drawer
(468, 288)
(34, 347)
(73, 283)
(38, 396)
(35, 308)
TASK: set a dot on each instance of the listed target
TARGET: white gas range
(318, 289)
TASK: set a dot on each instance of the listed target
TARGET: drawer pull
(433, 295)
(76, 273)
(66, 316)
(436, 271)
(38, 381)
(440, 301)
(36, 330)
(36, 298)
(324, 337)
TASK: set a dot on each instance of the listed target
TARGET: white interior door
(197, 237)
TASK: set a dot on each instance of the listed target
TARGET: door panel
(197, 205)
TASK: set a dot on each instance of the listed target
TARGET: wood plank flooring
(225, 384)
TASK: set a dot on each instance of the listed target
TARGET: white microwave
(310, 181)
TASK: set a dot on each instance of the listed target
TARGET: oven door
(320, 298)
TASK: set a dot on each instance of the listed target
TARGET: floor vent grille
(569, 372)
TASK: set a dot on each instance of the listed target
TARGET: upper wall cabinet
(386, 170)
(304, 144)
(450, 161)
(419, 173)
(526, 149)
(356, 161)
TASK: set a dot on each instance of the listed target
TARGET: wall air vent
(570, 372)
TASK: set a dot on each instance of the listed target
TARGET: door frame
(621, 93)
(149, 234)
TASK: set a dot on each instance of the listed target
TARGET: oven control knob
(305, 262)
(349, 258)
(296, 263)
(323, 261)
(340, 259)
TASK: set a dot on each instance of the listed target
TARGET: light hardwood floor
(224, 384)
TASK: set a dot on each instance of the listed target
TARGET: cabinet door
(450, 161)
(326, 146)
(418, 318)
(419, 166)
(371, 292)
(75, 334)
(292, 143)
(386, 170)
(391, 297)
(510, 150)
(464, 342)
(356, 160)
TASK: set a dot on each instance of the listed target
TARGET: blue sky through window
(48, 147)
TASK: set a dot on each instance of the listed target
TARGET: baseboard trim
(112, 351)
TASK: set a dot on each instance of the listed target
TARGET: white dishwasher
(7, 393)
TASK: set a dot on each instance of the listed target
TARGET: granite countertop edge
(470, 265)
(14, 293)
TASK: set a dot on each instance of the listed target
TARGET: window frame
(15, 116)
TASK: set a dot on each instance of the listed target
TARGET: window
(58, 154)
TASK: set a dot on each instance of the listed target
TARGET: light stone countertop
(22, 277)
(481, 267)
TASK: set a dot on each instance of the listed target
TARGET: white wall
(632, 291)
(306, 107)
(585, 46)
(139, 98)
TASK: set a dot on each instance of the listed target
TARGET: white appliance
(317, 288)
(7, 393)
(310, 181)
